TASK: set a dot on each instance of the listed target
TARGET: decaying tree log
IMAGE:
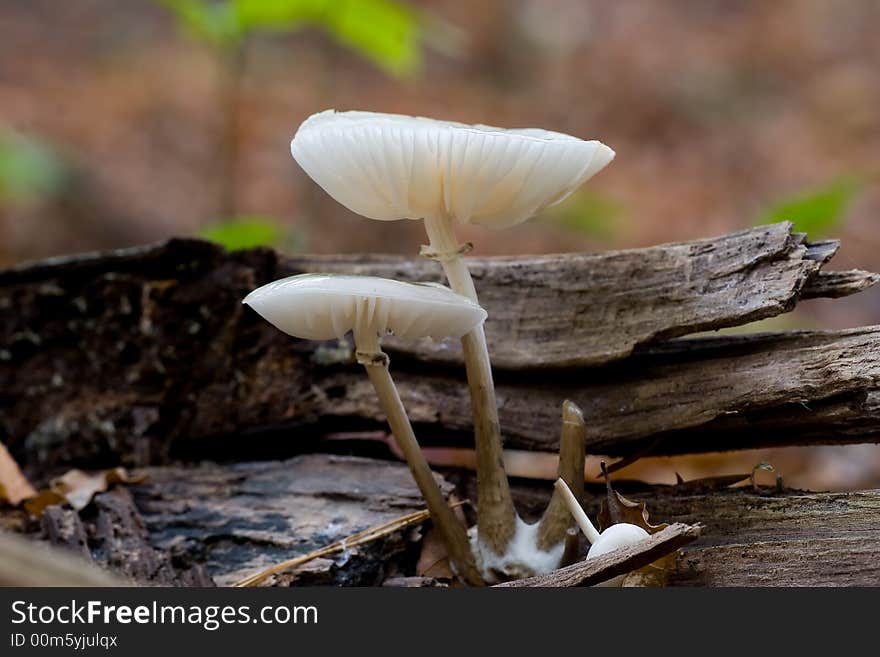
(698, 395)
(115, 537)
(576, 310)
(749, 538)
(688, 396)
(148, 353)
(794, 539)
(546, 311)
(239, 518)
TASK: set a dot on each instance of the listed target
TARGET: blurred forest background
(128, 121)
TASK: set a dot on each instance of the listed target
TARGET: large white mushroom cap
(390, 166)
(324, 306)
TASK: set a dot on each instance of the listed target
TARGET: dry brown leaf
(434, 558)
(655, 573)
(616, 508)
(77, 488)
(35, 505)
(14, 486)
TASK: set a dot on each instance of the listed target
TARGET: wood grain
(545, 311)
(238, 519)
(589, 572)
(748, 538)
(148, 354)
(233, 519)
(792, 539)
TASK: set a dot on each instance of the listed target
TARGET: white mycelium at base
(522, 558)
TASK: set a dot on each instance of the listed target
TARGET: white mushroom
(389, 167)
(324, 306)
(618, 535)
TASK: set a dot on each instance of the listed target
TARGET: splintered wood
(174, 364)
(146, 356)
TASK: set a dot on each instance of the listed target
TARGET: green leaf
(213, 21)
(278, 14)
(588, 214)
(816, 212)
(385, 32)
(29, 170)
(247, 232)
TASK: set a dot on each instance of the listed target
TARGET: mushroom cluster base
(522, 558)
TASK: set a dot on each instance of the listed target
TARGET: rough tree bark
(239, 518)
(147, 354)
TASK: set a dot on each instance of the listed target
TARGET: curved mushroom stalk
(452, 531)
(319, 307)
(390, 167)
(547, 545)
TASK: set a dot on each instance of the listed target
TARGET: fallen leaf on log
(616, 508)
(434, 558)
(14, 486)
(77, 488)
(619, 562)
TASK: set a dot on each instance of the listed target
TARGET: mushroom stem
(557, 518)
(572, 552)
(375, 361)
(577, 511)
(496, 514)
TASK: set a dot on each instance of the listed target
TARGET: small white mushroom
(616, 536)
(389, 167)
(327, 306)
(324, 306)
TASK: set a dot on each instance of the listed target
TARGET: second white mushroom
(327, 306)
